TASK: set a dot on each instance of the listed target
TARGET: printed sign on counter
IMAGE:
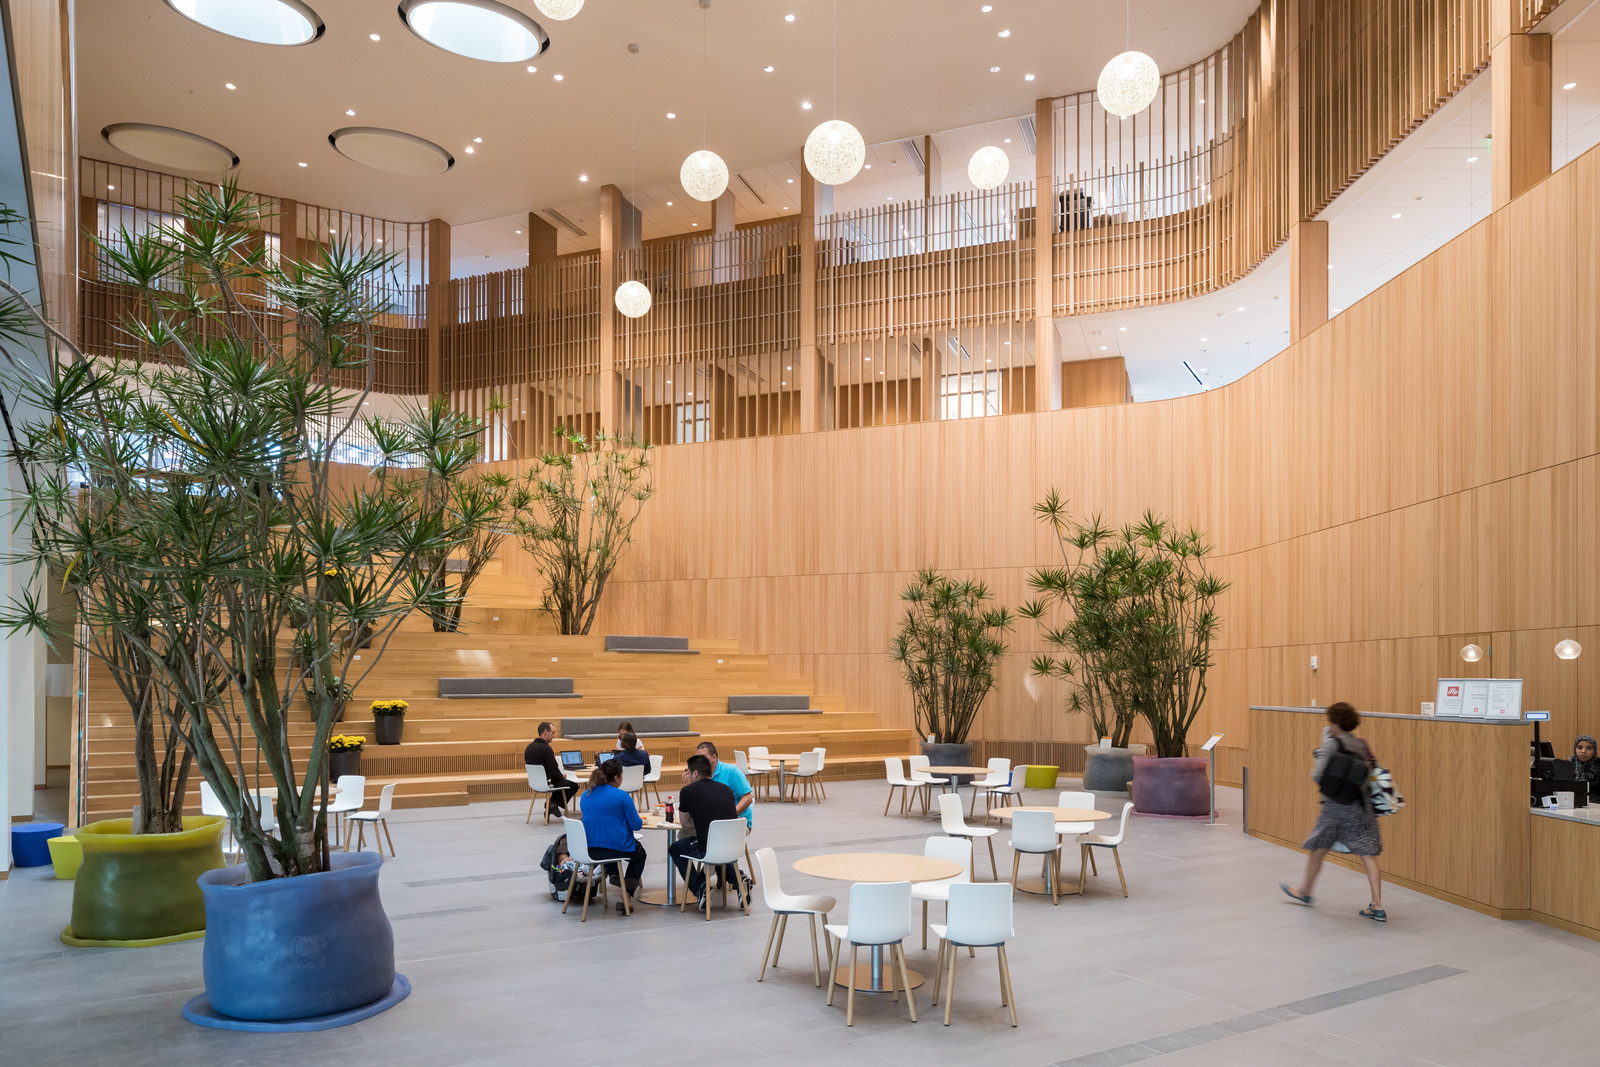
(1478, 698)
(1505, 698)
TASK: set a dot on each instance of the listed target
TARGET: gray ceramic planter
(941, 755)
(1107, 770)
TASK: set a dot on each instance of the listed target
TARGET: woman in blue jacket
(609, 821)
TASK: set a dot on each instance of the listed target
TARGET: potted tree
(1144, 616)
(949, 643)
(388, 720)
(214, 472)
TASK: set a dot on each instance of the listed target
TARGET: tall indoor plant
(212, 471)
(574, 515)
(948, 646)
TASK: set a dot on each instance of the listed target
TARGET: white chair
(578, 849)
(352, 796)
(1010, 794)
(804, 776)
(878, 920)
(266, 805)
(925, 780)
(895, 772)
(211, 804)
(954, 849)
(376, 818)
(978, 916)
(761, 767)
(724, 847)
(1087, 842)
(1072, 798)
(998, 777)
(653, 779)
(633, 783)
(539, 782)
(951, 822)
(1034, 833)
(822, 762)
(782, 905)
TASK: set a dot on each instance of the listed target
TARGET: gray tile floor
(1204, 964)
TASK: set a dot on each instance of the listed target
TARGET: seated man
(705, 801)
(632, 753)
(729, 775)
(541, 754)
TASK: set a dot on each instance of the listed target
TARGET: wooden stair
(456, 751)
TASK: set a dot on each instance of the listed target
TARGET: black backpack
(1344, 778)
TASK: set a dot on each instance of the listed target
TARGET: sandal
(1296, 897)
(1375, 913)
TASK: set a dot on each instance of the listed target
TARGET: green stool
(1041, 777)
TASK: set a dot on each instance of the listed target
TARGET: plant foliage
(948, 646)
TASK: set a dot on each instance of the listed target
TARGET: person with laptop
(610, 819)
(705, 801)
(540, 754)
(632, 753)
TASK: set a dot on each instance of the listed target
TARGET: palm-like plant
(948, 646)
(574, 513)
(207, 484)
(1142, 616)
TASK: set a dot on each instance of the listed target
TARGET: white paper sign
(1427, 708)
(1211, 744)
(1478, 698)
(1448, 699)
(1475, 698)
(1505, 698)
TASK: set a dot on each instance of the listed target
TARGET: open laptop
(571, 760)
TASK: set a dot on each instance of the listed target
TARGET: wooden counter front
(1464, 834)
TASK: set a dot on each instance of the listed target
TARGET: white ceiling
(905, 68)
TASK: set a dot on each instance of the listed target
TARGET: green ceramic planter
(141, 889)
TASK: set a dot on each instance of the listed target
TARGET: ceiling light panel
(280, 22)
(478, 29)
(167, 147)
(391, 150)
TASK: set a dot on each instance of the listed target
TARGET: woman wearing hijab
(1586, 762)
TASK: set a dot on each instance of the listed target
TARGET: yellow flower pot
(141, 889)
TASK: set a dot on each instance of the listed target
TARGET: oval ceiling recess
(390, 150)
(478, 29)
(277, 22)
(167, 147)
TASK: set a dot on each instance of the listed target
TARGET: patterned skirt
(1350, 824)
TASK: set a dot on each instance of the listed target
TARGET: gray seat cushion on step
(536, 688)
(590, 729)
(778, 711)
(768, 702)
(670, 645)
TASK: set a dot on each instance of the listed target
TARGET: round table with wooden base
(668, 897)
(780, 758)
(1041, 886)
(876, 867)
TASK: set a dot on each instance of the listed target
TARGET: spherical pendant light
(1569, 649)
(835, 152)
(1471, 653)
(558, 10)
(1128, 84)
(988, 167)
(704, 175)
(633, 299)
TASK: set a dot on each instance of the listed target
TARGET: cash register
(1550, 776)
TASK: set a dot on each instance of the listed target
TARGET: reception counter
(1466, 834)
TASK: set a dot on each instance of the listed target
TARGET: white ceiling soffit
(163, 146)
(905, 68)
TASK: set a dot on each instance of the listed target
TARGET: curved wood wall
(1420, 472)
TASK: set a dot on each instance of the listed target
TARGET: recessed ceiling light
(283, 22)
(669, 203)
(788, 366)
(1027, 77)
(111, 188)
(994, 70)
(1005, 33)
(805, 105)
(672, 114)
(583, 177)
(1102, 348)
(789, 181)
(332, 230)
(767, 68)
(1335, 311)
(519, 231)
(469, 150)
(788, 18)
(1570, 85)
(1203, 340)
(373, 37)
(1238, 309)
(987, 8)
(1123, 329)
(1395, 215)
(178, 149)
(486, 30)
(888, 198)
(869, 359)
(1472, 159)
(1201, 100)
(477, 140)
(303, 164)
(391, 150)
(532, 69)
(868, 166)
(1008, 140)
(783, 383)
(694, 224)
(561, 77)
(230, 85)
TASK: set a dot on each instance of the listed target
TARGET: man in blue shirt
(728, 775)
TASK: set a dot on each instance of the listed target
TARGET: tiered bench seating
(669, 646)
(508, 688)
(771, 704)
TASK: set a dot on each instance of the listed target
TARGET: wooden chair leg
(783, 928)
(834, 947)
(950, 986)
(386, 833)
(572, 887)
(1084, 859)
(1016, 860)
(531, 803)
(938, 971)
(850, 1000)
(924, 924)
(993, 870)
(588, 892)
(768, 949)
(816, 962)
(905, 980)
(1010, 994)
(1055, 883)
(1093, 866)
(1001, 968)
(1116, 854)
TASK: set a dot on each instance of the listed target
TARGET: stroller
(562, 870)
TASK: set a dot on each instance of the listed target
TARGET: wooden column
(722, 225)
(932, 170)
(439, 311)
(1046, 385)
(541, 240)
(289, 252)
(1520, 67)
(1308, 238)
(619, 238)
(816, 199)
(931, 359)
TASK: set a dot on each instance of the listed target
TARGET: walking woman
(1350, 823)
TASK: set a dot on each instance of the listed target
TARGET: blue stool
(30, 843)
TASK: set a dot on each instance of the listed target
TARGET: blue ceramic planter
(297, 948)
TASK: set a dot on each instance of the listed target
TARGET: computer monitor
(1538, 749)
(571, 759)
